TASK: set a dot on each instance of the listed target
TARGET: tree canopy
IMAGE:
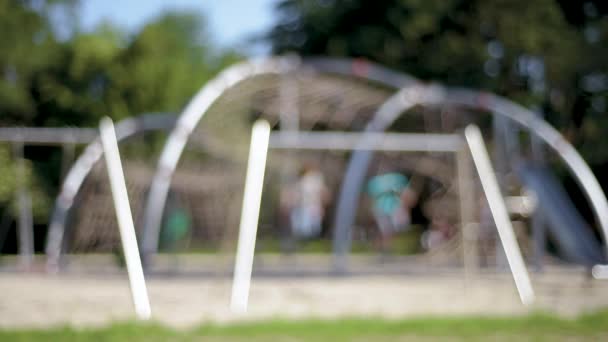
(52, 73)
(546, 54)
(52, 81)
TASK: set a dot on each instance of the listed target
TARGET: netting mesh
(203, 209)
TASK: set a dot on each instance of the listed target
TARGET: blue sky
(231, 21)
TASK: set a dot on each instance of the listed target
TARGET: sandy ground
(41, 300)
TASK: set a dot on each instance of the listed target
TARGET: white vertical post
(466, 196)
(25, 229)
(499, 213)
(118, 186)
(250, 214)
(25, 225)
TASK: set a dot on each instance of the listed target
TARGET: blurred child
(392, 201)
(440, 231)
(310, 198)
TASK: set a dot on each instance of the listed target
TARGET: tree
(28, 47)
(545, 54)
(107, 73)
(57, 77)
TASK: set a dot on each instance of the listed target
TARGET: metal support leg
(67, 159)
(120, 197)
(501, 168)
(466, 192)
(539, 229)
(290, 123)
(539, 237)
(25, 229)
(500, 214)
(252, 197)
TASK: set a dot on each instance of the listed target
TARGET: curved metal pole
(82, 167)
(178, 138)
(545, 132)
(207, 95)
(435, 95)
(356, 171)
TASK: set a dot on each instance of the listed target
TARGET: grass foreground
(536, 327)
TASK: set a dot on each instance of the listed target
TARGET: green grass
(537, 327)
(403, 243)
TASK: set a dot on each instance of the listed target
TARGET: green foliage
(7, 176)
(105, 73)
(47, 81)
(27, 47)
(50, 78)
(11, 175)
(542, 54)
(535, 327)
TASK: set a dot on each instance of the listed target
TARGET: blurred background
(65, 64)
(68, 63)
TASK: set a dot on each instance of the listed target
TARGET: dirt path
(38, 300)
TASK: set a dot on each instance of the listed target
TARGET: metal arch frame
(47, 135)
(207, 96)
(74, 179)
(434, 95)
(414, 94)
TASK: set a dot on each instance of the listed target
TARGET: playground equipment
(19, 137)
(499, 212)
(139, 292)
(434, 95)
(368, 142)
(73, 175)
(82, 167)
(409, 96)
(412, 94)
(325, 104)
(106, 145)
(252, 197)
(557, 209)
(211, 93)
